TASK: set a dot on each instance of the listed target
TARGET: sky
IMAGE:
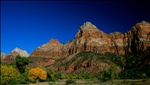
(29, 24)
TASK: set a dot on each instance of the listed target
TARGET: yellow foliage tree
(37, 73)
(9, 75)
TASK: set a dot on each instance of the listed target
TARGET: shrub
(51, 75)
(108, 73)
(36, 74)
(58, 75)
(24, 78)
(9, 75)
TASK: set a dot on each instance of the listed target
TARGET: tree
(37, 73)
(9, 75)
(21, 63)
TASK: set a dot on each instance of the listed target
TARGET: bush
(58, 75)
(134, 73)
(36, 74)
(108, 73)
(24, 78)
(9, 75)
(52, 76)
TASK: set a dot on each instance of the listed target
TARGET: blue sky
(29, 24)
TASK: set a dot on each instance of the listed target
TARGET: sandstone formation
(10, 58)
(3, 55)
(90, 38)
(21, 52)
(37, 61)
(53, 49)
(138, 38)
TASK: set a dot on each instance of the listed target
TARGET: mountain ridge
(90, 38)
(93, 51)
(21, 52)
(10, 58)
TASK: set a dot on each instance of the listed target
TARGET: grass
(95, 82)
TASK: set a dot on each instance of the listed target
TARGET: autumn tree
(35, 74)
(9, 75)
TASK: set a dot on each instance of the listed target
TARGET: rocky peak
(144, 22)
(141, 29)
(115, 35)
(51, 44)
(54, 41)
(21, 52)
(143, 25)
(88, 26)
(90, 38)
(89, 30)
(14, 53)
(3, 55)
(49, 50)
(138, 36)
(10, 58)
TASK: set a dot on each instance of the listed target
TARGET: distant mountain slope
(21, 52)
(3, 55)
(10, 58)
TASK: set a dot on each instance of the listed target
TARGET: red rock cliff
(90, 38)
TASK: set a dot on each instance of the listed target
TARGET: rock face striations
(90, 38)
(138, 38)
(53, 49)
(21, 52)
(3, 55)
(10, 58)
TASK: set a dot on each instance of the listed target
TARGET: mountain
(3, 55)
(93, 51)
(21, 52)
(90, 38)
(10, 58)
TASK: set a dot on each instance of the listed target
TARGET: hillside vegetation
(82, 65)
(128, 66)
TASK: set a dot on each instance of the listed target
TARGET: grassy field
(95, 82)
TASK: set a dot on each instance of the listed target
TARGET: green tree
(21, 63)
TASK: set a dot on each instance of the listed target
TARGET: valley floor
(95, 82)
